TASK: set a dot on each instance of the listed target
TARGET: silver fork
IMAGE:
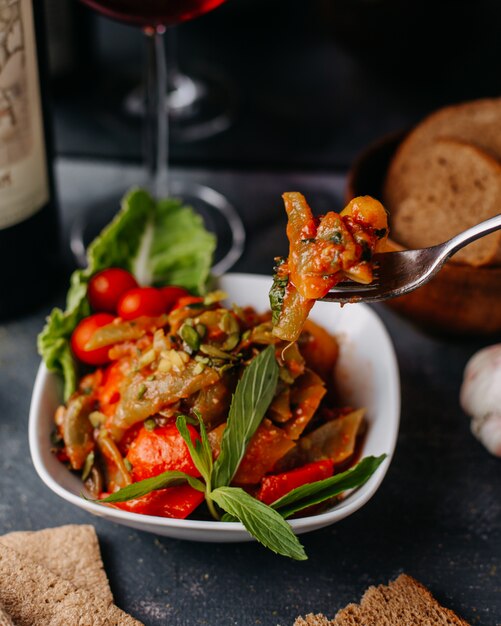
(398, 273)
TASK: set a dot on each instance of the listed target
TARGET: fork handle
(473, 233)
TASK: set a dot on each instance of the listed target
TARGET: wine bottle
(29, 247)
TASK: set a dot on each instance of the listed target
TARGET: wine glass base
(219, 215)
(198, 107)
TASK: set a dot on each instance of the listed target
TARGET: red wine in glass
(153, 13)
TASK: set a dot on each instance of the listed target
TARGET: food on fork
(322, 252)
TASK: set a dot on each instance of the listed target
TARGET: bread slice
(404, 602)
(71, 552)
(477, 123)
(31, 595)
(440, 191)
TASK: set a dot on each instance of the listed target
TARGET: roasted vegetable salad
(180, 404)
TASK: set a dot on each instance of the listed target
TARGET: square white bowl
(367, 375)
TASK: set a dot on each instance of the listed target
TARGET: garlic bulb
(481, 396)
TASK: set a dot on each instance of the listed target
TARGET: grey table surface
(437, 515)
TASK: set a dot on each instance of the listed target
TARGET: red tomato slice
(82, 334)
(275, 486)
(171, 295)
(177, 502)
(146, 301)
(107, 287)
(160, 450)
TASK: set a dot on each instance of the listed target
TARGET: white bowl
(367, 373)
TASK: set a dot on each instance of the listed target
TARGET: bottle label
(24, 185)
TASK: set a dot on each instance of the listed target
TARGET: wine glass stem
(156, 118)
(172, 59)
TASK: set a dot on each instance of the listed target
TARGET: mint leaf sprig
(252, 397)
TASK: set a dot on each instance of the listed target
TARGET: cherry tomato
(141, 301)
(82, 334)
(171, 296)
(185, 301)
(107, 287)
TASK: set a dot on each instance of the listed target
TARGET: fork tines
(350, 285)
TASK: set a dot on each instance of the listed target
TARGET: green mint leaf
(249, 404)
(205, 443)
(198, 450)
(321, 490)
(143, 487)
(261, 521)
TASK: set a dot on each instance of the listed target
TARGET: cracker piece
(33, 595)
(5, 618)
(404, 601)
(313, 620)
(71, 552)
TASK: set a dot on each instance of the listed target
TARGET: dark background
(312, 81)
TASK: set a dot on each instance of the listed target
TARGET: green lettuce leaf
(181, 249)
(160, 242)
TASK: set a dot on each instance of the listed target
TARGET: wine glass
(154, 17)
(200, 104)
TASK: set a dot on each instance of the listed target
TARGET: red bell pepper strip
(275, 486)
(186, 301)
(177, 502)
(160, 450)
(108, 393)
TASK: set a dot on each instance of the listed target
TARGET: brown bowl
(460, 298)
